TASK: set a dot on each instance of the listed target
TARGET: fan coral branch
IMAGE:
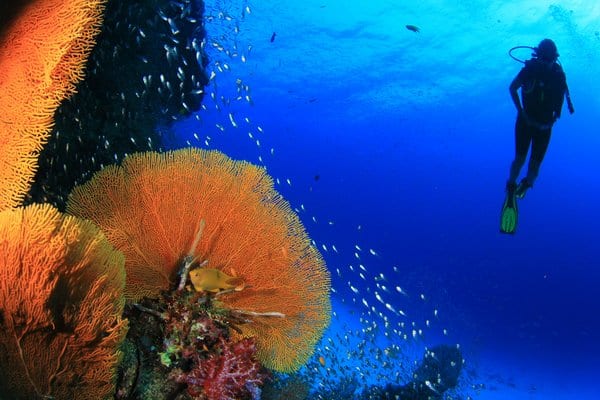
(42, 57)
(61, 285)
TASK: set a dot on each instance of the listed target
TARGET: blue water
(397, 146)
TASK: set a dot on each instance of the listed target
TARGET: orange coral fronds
(42, 57)
(61, 300)
(152, 208)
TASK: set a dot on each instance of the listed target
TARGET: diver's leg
(522, 141)
(540, 142)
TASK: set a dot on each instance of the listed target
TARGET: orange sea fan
(152, 208)
(61, 300)
(42, 57)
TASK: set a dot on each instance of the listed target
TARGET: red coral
(200, 353)
(231, 373)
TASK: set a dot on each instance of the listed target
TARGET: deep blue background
(401, 143)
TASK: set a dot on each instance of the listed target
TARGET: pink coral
(234, 370)
(230, 373)
(200, 353)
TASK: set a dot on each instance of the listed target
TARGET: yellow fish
(213, 280)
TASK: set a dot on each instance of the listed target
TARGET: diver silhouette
(543, 87)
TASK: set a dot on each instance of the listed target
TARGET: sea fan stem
(260, 314)
(157, 314)
(189, 259)
(197, 238)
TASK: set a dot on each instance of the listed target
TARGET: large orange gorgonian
(61, 300)
(160, 209)
(42, 57)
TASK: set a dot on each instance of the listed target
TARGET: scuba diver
(543, 87)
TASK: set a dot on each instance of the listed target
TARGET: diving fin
(510, 213)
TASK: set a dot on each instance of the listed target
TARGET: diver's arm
(513, 88)
(514, 95)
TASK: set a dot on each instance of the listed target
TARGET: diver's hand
(531, 122)
(523, 115)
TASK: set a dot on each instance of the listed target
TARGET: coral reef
(186, 348)
(42, 56)
(206, 359)
(204, 210)
(146, 71)
(230, 373)
(61, 301)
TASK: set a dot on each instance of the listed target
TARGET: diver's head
(546, 51)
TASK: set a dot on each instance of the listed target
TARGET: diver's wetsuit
(543, 89)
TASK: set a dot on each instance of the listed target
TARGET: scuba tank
(534, 54)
